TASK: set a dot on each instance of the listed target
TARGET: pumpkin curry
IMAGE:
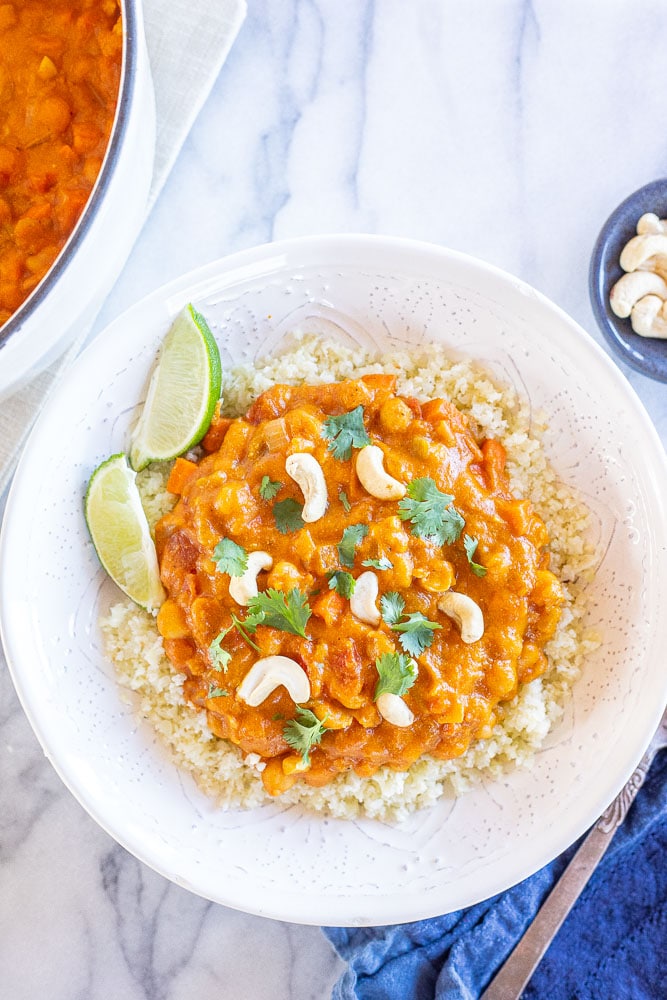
(60, 68)
(350, 582)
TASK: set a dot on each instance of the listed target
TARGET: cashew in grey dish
(641, 293)
(649, 317)
(632, 287)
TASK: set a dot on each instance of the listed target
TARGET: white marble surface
(508, 130)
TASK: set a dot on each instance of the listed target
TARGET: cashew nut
(307, 473)
(394, 710)
(634, 286)
(638, 252)
(269, 673)
(242, 588)
(465, 612)
(363, 600)
(648, 317)
(372, 475)
(650, 223)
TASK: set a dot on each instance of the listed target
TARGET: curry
(350, 582)
(60, 68)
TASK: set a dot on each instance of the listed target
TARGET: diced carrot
(215, 435)
(379, 381)
(494, 457)
(436, 410)
(181, 472)
(329, 607)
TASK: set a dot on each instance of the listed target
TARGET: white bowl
(70, 295)
(283, 862)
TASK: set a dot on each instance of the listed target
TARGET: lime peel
(120, 533)
(182, 394)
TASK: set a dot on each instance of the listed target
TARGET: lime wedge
(120, 533)
(183, 391)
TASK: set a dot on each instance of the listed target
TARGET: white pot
(67, 300)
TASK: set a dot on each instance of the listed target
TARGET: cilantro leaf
(391, 607)
(342, 496)
(342, 582)
(470, 545)
(215, 692)
(268, 488)
(431, 512)
(345, 432)
(272, 608)
(218, 656)
(245, 626)
(352, 535)
(416, 633)
(304, 732)
(397, 672)
(230, 557)
(381, 563)
(287, 514)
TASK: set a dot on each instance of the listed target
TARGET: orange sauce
(458, 684)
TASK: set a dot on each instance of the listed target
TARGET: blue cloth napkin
(613, 945)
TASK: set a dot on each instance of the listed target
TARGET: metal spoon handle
(510, 982)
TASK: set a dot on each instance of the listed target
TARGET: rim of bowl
(126, 87)
(644, 354)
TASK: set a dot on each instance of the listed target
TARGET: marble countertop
(508, 131)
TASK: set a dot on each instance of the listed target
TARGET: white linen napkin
(188, 41)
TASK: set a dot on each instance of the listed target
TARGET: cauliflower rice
(134, 646)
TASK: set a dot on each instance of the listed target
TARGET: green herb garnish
(431, 512)
(342, 496)
(381, 563)
(416, 633)
(342, 582)
(287, 514)
(272, 608)
(215, 692)
(304, 732)
(268, 488)
(230, 557)
(243, 628)
(218, 656)
(345, 432)
(397, 672)
(470, 545)
(352, 536)
(391, 607)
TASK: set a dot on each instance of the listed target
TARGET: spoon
(513, 977)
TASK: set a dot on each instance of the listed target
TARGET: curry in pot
(350, 582)
(60, 68)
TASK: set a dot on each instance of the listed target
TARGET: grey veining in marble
(507, 130)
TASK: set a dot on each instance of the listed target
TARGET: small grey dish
(644, 354)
